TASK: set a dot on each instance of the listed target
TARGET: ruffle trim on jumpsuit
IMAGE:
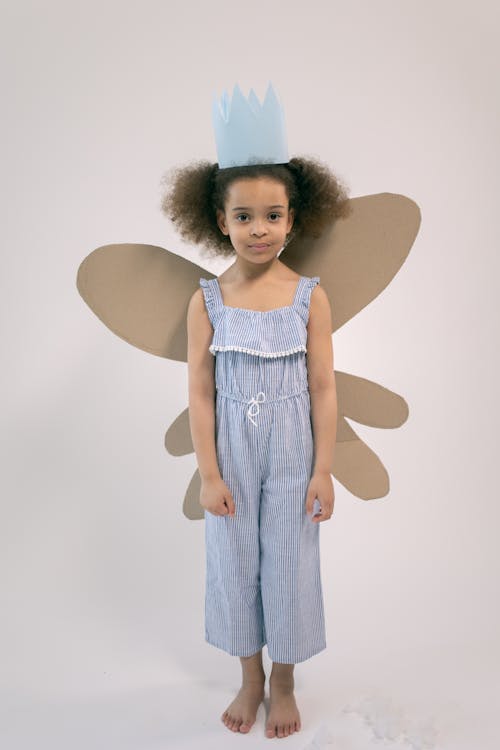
(254, 331)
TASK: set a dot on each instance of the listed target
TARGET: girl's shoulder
(197, 309)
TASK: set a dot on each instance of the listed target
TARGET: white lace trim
(217, 347)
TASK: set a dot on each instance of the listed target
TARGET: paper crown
(248, 132)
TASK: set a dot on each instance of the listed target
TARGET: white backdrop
(102, 577)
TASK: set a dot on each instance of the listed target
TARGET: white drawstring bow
(254, 402)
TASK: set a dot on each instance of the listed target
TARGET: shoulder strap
(303, 295)
(213, 299)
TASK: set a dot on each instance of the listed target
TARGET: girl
(262, 417)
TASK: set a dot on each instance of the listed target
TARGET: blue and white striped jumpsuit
(263, 582)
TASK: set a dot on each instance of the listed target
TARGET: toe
(270, 731)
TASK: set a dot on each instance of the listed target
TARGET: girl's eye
(241, 217)
(274, 216)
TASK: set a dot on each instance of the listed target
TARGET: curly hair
(195, 192)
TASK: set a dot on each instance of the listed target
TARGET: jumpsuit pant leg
(290, 554)
(233, 605)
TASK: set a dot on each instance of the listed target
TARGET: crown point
(253, 101)
(271, 99)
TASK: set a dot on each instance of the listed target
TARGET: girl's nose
(258, 228)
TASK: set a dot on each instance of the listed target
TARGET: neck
(243, 269)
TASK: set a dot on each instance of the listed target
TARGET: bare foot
(284, 717)
(241, 713)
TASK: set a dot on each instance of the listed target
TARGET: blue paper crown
(248, 132)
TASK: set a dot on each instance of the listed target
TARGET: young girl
(262, 417)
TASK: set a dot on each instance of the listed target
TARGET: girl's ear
(221, 222)
(291, 217)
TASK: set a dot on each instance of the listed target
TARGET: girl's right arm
(215, 496)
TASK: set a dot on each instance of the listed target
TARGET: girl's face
(256, 217)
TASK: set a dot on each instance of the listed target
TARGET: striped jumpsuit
(263, 582)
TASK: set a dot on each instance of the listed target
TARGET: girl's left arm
(321, 378)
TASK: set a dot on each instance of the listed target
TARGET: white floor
(455, 708)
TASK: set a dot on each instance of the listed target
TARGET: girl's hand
(321, 487)
(216, 497)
